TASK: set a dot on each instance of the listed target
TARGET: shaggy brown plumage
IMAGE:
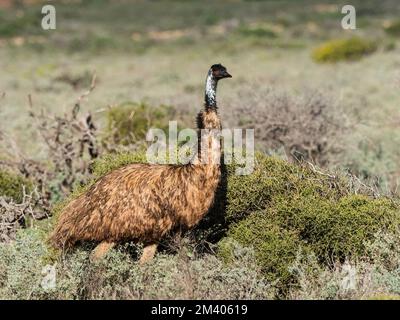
(143, 202)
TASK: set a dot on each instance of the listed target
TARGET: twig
(13, 215)
(88, 92)
(313, 168)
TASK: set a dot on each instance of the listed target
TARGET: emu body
(139, 202)
(143, 202)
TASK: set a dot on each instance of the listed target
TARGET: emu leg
(101, 250)
(148, 253)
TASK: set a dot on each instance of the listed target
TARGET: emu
(143, 202)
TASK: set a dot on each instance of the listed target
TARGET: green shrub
(393, 28)
(282, 208)
(333, 230)
(25, 23)
(271, 179)
(21, 265)
(390, 46)
(129, 122)
(12, 184)
(257, 32)
(111, 162)
(275, 248)
(351, 49)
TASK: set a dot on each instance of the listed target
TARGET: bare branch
(14, 215)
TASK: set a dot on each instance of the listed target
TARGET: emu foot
(148, 253)
(101, 250)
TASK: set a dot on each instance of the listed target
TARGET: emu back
(139, 201)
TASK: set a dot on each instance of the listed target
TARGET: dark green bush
(271, 179)
(11, 185)
(25, 23)
(282, 208)
(275, 247)
(257, 32)
(343, 50)
(129, 122)
(393, 28)
(114, 161)
(333, 230)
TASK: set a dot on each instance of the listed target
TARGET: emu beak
(227, 75)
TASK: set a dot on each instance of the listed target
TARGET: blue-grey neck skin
(211, 91)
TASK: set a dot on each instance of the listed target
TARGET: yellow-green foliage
(283, 207)
(393, 28)
(275, 247)
(11, 185)
(273, 177)
(129, 122)
(114, 161)
(343, 50)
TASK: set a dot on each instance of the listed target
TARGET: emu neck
(211, 92)
(209, 125)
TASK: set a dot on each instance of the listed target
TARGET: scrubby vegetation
(343, 50)
(180, 276)
(15, 25)
(19, 202)
(272, 216)
(12, 185)
(393, 28)
(320, 209)
(308, 126)
(129, 122)
(257, 32)
(302, 226)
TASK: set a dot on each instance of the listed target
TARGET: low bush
(111, 162)
(393, 28)
(308, 126)
(374, 278)
(25, 23)
(129, 122)
(351, 49)
(272, 181)
(282, 208)
(24, 274)
(275, 247)
(257, 32)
